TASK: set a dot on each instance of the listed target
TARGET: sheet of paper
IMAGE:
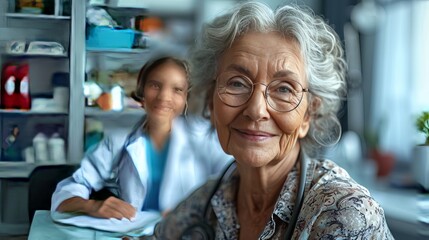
(142, 224)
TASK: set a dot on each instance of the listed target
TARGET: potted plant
(422, 124)
(421, 152)
(385, 161)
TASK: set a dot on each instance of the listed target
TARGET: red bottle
(8, 87)
(23, 95)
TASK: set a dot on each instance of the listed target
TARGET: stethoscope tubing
(299, 198)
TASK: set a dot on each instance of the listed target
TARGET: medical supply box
(108, 37)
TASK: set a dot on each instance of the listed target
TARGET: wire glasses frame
(280, 95)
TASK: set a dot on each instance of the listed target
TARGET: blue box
(107, 37)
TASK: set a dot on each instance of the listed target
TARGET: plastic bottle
(40, 145)
(24, 99)
(56, 149)
(60, 84)
(8, 94)
(117, 98)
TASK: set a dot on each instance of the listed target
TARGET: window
(400, 86)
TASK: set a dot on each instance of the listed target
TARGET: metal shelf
(21, 169)
(118, 50)
(30, 112)
(138, 7)
(37, 16)
(36, 55)
(97, 112)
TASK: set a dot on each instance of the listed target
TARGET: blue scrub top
(156, 163)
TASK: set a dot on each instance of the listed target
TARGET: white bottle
(61, 98)
(117, 93)
(40, 145)
(28, 154)
(56, 149)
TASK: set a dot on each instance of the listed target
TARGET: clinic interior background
(387, 54)
(387, 77)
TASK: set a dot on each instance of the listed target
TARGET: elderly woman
(274, 81)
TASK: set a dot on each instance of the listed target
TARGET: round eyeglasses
(281, 95)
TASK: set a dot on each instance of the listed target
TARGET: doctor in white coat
(155, 165)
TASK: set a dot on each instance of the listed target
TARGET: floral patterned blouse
(334, 207)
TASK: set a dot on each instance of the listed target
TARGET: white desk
(43, 228)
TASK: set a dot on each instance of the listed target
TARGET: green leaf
(422, 124)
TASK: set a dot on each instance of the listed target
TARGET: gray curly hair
(320, 48)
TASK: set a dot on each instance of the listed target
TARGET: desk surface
(44, 228)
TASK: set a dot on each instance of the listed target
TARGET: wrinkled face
(165, 92)
(254, 133)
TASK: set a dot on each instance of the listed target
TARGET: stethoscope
(203, 230)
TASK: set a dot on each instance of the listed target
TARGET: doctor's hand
(112, 207)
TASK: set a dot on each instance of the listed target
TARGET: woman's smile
(253, 135)
(163, 107)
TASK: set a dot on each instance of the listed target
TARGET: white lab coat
(119, 162)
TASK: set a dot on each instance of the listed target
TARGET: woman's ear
(209, 103)
(142, 102)
(304, 127)
(185, 109)
(314, 105)
(211, 107)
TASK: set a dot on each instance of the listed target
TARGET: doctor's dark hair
(151, 65)
(320, 48)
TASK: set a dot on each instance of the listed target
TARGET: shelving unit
(108, 60)
(105, 59)
(26, 27)
(67, 30)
